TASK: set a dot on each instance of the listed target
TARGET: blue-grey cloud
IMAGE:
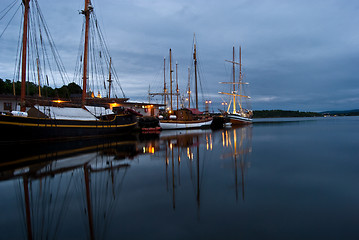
(296, 54)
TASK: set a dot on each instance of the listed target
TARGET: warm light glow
(112, 105)
(235, 140)
(58, 101)
(227, 139)
(223, 142)
(148, 106)
(151, 150)
(189, 154)
(207, 142)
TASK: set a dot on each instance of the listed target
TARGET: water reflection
(184, 145)
(65, 183)
(193, 149)
(48, 186)
(239, 142)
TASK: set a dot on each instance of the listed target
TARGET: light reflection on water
(266, 181)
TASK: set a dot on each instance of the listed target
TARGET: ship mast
(38, 76)
(177, 90)
(164, 93)
(86, 12)
(164, 83)
(109, 80)
(240, 77)
(189, 88)
(234, 94)
(195, 70)
(171, 78)
(234, 84)
(24, 52)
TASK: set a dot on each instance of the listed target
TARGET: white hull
(238, 119)
(168, 124)
(227, 125)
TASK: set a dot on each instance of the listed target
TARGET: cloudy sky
(296, 54)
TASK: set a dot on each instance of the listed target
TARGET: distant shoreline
(296, 114)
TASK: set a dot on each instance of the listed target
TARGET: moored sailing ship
(48, 119)
(186, 117)
(237, 116)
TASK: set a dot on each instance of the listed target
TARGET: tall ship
(183, 118)
(236, 113)
(41, 118)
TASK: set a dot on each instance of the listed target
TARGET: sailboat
(187, 117)
(237, 116)
(48, 119)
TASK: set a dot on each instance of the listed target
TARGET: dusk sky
(296, 54)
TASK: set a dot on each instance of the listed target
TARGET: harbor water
(275, 179)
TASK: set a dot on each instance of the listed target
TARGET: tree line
(7, 87)
(284, 113)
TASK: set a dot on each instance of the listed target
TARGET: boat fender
(173, 117)
(19, 114)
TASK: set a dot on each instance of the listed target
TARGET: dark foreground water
(295, 179)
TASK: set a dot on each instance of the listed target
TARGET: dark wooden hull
(14, 129)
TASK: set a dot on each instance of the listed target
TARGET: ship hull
(237, 119)
(14, 129)
(177, 124)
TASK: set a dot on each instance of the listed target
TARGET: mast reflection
(49, 180)
(193, 149)
(185, 147)
(86, 179)
(239, 141)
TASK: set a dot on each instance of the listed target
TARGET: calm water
(295, 179)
